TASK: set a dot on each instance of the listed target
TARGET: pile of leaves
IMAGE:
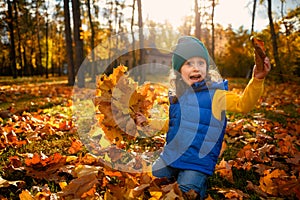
(43, 157)
(119, 99)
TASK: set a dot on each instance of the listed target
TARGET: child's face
(193, 70)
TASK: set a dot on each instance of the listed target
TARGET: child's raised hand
(261, 74)
(140, 119)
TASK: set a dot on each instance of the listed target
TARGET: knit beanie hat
(188, 47)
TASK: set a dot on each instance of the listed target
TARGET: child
(197, 120)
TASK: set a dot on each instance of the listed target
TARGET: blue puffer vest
(195, 136)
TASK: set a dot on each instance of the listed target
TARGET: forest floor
(42, 155)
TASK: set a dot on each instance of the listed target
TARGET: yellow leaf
(25, 195)
(155, 195)
(63, 184)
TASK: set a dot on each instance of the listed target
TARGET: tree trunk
(93, 65)
(47, 49)
(213, 30)
(78, 43)
(39, 58)
(71, 71)
(197, 21)
(141, 37)
(132, 35)
(253, 16)
(17, 30)
(12, 40)
(274, 41)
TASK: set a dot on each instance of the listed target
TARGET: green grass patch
(7, 80)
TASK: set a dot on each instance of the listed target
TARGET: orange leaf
(269, 182)
(75, 146)
(224, 169)
(34, 160)
(112, 173)
(25, 195)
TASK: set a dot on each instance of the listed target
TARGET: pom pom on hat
(188, 47)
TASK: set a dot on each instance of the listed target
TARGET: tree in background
(92, 40)
(213, 29)
(12, 40)
(69, 48)
(34, 43)
(197, 21)
(78, 42)
(253, 16)
(141, 39)
(274, 41)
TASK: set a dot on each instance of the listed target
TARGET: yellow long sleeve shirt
(230, 101)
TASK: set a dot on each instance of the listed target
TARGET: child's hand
(261, 74)
(140, 119)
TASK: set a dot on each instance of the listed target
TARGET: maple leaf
(25, 195)
(259, 51)
(269, 183)
(225, 171)
(75, 146)
(43, 167)
(80, 187)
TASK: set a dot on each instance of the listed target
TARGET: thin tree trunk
(141, 37)
(132, 35)
(274, 40)
(71, 71)
(213, 30)
(197, 21)
(253, 16)
(47, 48)
(39, 59)
(12, 40)
(93, 66)
(78, 43)
(17, 30)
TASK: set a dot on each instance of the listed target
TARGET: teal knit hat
(188, 47)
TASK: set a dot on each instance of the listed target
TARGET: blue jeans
(187, 179)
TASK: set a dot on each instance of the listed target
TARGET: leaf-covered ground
(43, 157)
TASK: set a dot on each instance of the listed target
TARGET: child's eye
(200, 63)
(189, 63)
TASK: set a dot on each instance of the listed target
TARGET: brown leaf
(76, 146)
(257, 189)
(269, 183)
(137, 191)
(80, 187)
(224, 169)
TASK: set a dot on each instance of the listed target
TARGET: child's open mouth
(195, 77)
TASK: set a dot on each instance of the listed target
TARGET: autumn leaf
(224, 169)
(25, 195)
(270, 182)
(81, 187)
(75, 146)
(233, 193)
